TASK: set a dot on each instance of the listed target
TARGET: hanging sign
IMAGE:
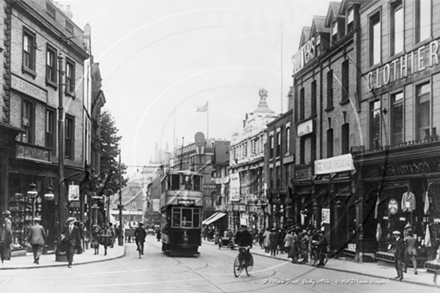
(73, 193)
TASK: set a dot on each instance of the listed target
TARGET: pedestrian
(37, 239)
(158, 234)
(72, 239)
(304, 247)
(294, 246)
(267, 240)
(322, 247)
(112, 235)
(139, 235)
(281, 236)
(288, 240)
(273, 242)
(410, 251)
(105, 238)
(399, 254)
(96, 238)
(6, 236)
(261, 239)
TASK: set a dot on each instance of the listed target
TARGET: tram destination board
(186, 202)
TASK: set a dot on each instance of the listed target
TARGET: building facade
(325, 118)
(32, 90)
(247, 195)
(399, 182)
(278, 164)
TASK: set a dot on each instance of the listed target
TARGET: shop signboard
(325, 216)
(305, 128)
(73, 193)
(334, 164)
(234, 187)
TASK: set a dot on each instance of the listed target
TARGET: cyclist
(139, 235)
(321, 247)
(244, 239)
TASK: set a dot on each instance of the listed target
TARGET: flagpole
(207, 121)
(282, 98)
(174, 129)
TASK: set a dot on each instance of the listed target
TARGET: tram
(181, 206)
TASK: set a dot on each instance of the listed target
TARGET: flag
(426, 205)
(376, 208)
(204, 108)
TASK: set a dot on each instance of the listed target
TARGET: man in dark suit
(399, 254)
(37, 238)
(140, 234)
(72, 240)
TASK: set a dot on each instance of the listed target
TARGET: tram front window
(176, 218)
(186, 218)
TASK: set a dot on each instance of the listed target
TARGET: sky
(162, 59)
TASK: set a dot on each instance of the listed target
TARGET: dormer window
(350, 20)
(335, 31)
(318, 44)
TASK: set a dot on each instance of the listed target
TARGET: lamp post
(61, 199)
(32, 194)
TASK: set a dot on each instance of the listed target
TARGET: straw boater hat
(7, 213)
(37, 219)
(396, 233)
(71, 219)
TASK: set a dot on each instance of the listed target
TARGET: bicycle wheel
(325, 259)
(315, 258)
(250, 265)
(237, 267)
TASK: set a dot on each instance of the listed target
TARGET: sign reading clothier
(410, 63)
(334, 164)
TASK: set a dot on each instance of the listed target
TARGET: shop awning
(213, 218)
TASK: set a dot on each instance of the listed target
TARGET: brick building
(35, 34)
(326, 86)
(399, 182)
(278, 164)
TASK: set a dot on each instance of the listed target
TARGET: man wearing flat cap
(399, 254)
(73, 239)
(37, 238)
(140, 234)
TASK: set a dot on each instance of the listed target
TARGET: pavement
(48, 260)
(373, 270)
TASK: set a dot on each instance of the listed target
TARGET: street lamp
(32, 194)
(49, 196)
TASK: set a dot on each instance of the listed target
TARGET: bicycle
(240, 263)
(315, 256)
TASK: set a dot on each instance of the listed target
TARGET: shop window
(375, 39)
(50, 139)
(69, 137)
(397, 27)
(375, 122)
(422, 19)
(423, 104)
(301, 104)
(330, 143)
(28, 122)
(51, 66)
(314, 97)
(397, 118)
(345, 80)
(330, 89)
(29, 47)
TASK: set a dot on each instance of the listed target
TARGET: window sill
(343, 102)
(52, 84)
(29, 71)
(329, 109)
(70, 94)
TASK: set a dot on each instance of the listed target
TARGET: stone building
(246, 169)
(398, 165)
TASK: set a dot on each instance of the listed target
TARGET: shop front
(334, 188)
(304, 212)
(400, 190)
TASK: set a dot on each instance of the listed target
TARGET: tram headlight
(185, 237)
